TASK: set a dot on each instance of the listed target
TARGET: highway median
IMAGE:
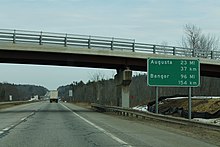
(4, 105)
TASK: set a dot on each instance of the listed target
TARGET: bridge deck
(27, 53)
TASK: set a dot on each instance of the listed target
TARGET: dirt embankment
(198, 105)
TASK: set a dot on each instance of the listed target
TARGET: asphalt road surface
(45, 124)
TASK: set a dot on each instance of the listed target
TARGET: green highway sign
(173, 72)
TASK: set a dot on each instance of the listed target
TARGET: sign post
(173, 73)
(190, 103)
(156, 100)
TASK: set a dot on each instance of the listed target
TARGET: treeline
(104, 91)
(20, 92)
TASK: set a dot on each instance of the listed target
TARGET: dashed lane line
(3, 131)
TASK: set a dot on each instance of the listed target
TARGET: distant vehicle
(53, 96)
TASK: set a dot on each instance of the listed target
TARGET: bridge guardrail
(149, 115)
(86, 41)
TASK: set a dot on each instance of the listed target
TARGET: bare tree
(195, 39)
(192, 35)
(98, 76)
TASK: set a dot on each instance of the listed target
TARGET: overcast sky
(148, 21)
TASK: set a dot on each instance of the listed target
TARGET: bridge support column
(123, 80)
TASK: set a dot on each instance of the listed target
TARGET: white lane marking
(13, 125)
(100, 129)
(6, 129)
(23, 118)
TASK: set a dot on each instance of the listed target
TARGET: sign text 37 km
(173, 72)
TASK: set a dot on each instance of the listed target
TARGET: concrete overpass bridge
(29, 47)
(44, 48)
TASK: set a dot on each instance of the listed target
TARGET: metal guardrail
(97, 42)
(149, 115)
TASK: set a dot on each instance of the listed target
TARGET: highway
(44, 124)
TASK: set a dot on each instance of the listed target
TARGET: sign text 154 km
(173, 72)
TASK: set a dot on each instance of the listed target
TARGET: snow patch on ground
(143, 108)
(215, 121)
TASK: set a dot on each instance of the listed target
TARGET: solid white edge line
(100, 129)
